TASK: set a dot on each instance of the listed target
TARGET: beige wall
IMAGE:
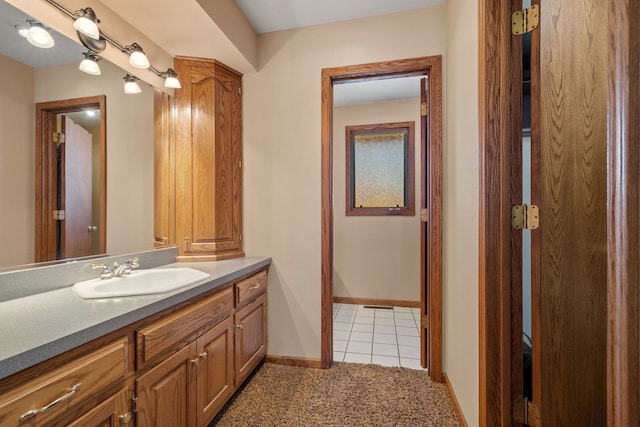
(461, 204)
(282, 154)
(375, 256)
(129, 148)
(17, 163)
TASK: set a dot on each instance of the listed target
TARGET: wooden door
(113, 412)
(251, 336)
(76, 190)
(167, 393)
(215, 370)
(570, 291)
(431, 228)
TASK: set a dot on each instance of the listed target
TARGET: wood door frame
(623, 246)
(431, 66)
(498, 88)
(45, 238)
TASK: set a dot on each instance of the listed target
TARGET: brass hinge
(424, 109)
(58, 215)
(239, 90)
(58, 138)
(135, 403)
(527, 413)
(525, 21)
(234, 376)
(424, 215)
(525, 217)
(424, 321)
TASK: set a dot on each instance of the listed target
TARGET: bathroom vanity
(169, 359)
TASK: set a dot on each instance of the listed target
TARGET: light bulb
(39, 37)
(87, 23)
(90, 67)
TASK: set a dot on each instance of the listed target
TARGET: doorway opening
(70, 179)
(430, 192)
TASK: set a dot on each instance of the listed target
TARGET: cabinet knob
(126, 418)
(203, 355)
(239, 326)
(195, 361)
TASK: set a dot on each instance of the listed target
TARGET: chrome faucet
(125, 268)
(118, 270)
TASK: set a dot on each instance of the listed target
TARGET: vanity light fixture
(38, 36)
(90, 63)
(130, 85)
(171, 79)
(87, 23)
(137, 58)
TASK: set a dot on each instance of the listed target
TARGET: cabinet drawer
(251, 287)
(176, 330)
(42, 399)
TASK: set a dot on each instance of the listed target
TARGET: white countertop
(37, 327)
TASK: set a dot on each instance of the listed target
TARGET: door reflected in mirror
(70, 171)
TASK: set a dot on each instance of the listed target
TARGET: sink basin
(139, 282)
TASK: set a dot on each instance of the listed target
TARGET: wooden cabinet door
(215, 370)
(167, 393)
(251, 336)
(113, 412)
(208, 160)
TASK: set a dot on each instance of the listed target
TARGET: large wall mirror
(31, 76)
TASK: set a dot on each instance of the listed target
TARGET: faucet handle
(106, 272)
(133, 262)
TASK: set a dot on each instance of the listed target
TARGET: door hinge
(234, 376)
(424, 321)
(58, 215)
(525, 412)
(424, 109)
(239, 90)
(424, 215)
(525, 217)
(134, 404)
(58, 138)
(525, 21)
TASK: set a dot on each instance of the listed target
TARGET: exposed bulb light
(137, 57)
(130, 85)
(38, 36)
(87, 23)
(90, 64)
(171, 79)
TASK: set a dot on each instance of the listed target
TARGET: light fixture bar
(103, 36)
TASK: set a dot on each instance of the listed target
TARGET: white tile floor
(380, 336)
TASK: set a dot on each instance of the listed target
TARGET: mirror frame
(46, 112)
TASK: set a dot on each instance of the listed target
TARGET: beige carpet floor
(348, 394)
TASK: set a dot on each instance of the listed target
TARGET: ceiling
(274, 15)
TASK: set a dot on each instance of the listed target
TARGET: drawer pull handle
(254, 287)
(58, 401)
(203, 355)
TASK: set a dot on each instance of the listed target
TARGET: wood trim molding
(454, 400)
(294, 361)
(432, 66)
(623, 346)
(373, 301)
